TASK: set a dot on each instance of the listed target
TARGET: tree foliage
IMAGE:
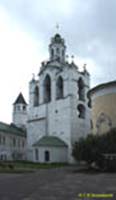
(92, 148)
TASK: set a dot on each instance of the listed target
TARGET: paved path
(55, 184)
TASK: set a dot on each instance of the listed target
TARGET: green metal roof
(50, 141)
(12, 129)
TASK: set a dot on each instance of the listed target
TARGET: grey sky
(88, 26)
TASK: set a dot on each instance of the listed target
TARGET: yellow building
(103, 100)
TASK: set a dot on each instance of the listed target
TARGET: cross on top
(57, 27)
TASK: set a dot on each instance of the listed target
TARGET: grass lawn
(25, 166)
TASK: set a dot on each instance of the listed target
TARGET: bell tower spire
(57, 48)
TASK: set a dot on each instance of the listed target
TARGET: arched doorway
(47, 156)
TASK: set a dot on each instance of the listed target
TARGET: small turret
(20, 112)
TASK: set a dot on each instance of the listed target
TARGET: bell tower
(20, 112)
(57, 49)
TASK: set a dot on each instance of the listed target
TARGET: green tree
(93, 147)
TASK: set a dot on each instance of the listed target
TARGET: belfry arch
(36, 96)
(81, 89)
(59, 88)
(47, 89)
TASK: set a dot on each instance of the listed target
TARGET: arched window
(14, 142)
(81, 110)
(47, 89)
(63, 52)
(91, 124)
(59, 88)
(24, 107)
(52, 53)
(81, 89)
(57, 50)
(36, 96)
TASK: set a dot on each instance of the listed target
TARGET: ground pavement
(55, 184)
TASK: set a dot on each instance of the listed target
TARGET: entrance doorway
(47, 156)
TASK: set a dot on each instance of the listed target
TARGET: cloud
(88, 27)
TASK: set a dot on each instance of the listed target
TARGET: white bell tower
(20, 112)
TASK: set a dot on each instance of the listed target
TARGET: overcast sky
(26, 26)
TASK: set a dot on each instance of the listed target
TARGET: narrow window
(63, 52)
(59, 88)
(14, 142)
(18, 142)
(81, 110)
(18, 108)
(24, 107)
(36, 154)
(47, 89)
(36, 96)
(2, 157)
(52, 53)
(91, 123)
(81, 89)
(57, 51)
(4, 140)
(23, 143)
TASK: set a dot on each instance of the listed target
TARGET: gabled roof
(12, 129)
(50, 141)
(20, 100)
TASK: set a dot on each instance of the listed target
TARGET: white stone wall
(35, 130)
(19, 115)
(57, 154)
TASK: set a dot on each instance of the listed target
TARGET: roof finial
(57, 27)
(84, 66)
(72, 58)
(67, 57)
(33, 76)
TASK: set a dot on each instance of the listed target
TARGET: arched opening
(47, 156)
(59, 88)
(47, 89)
(24, 107)
(63, 52)
(52, 53)
(81, 89)
(57, 50)
(36, 96)
(91, 123)
(81, 110)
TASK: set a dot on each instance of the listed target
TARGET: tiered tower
(58, 100)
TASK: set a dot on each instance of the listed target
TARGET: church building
(58, 112)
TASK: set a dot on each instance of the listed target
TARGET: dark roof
(58, 39)
(20, 99)
(12, 129)
(50, 141)
(102, 86)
